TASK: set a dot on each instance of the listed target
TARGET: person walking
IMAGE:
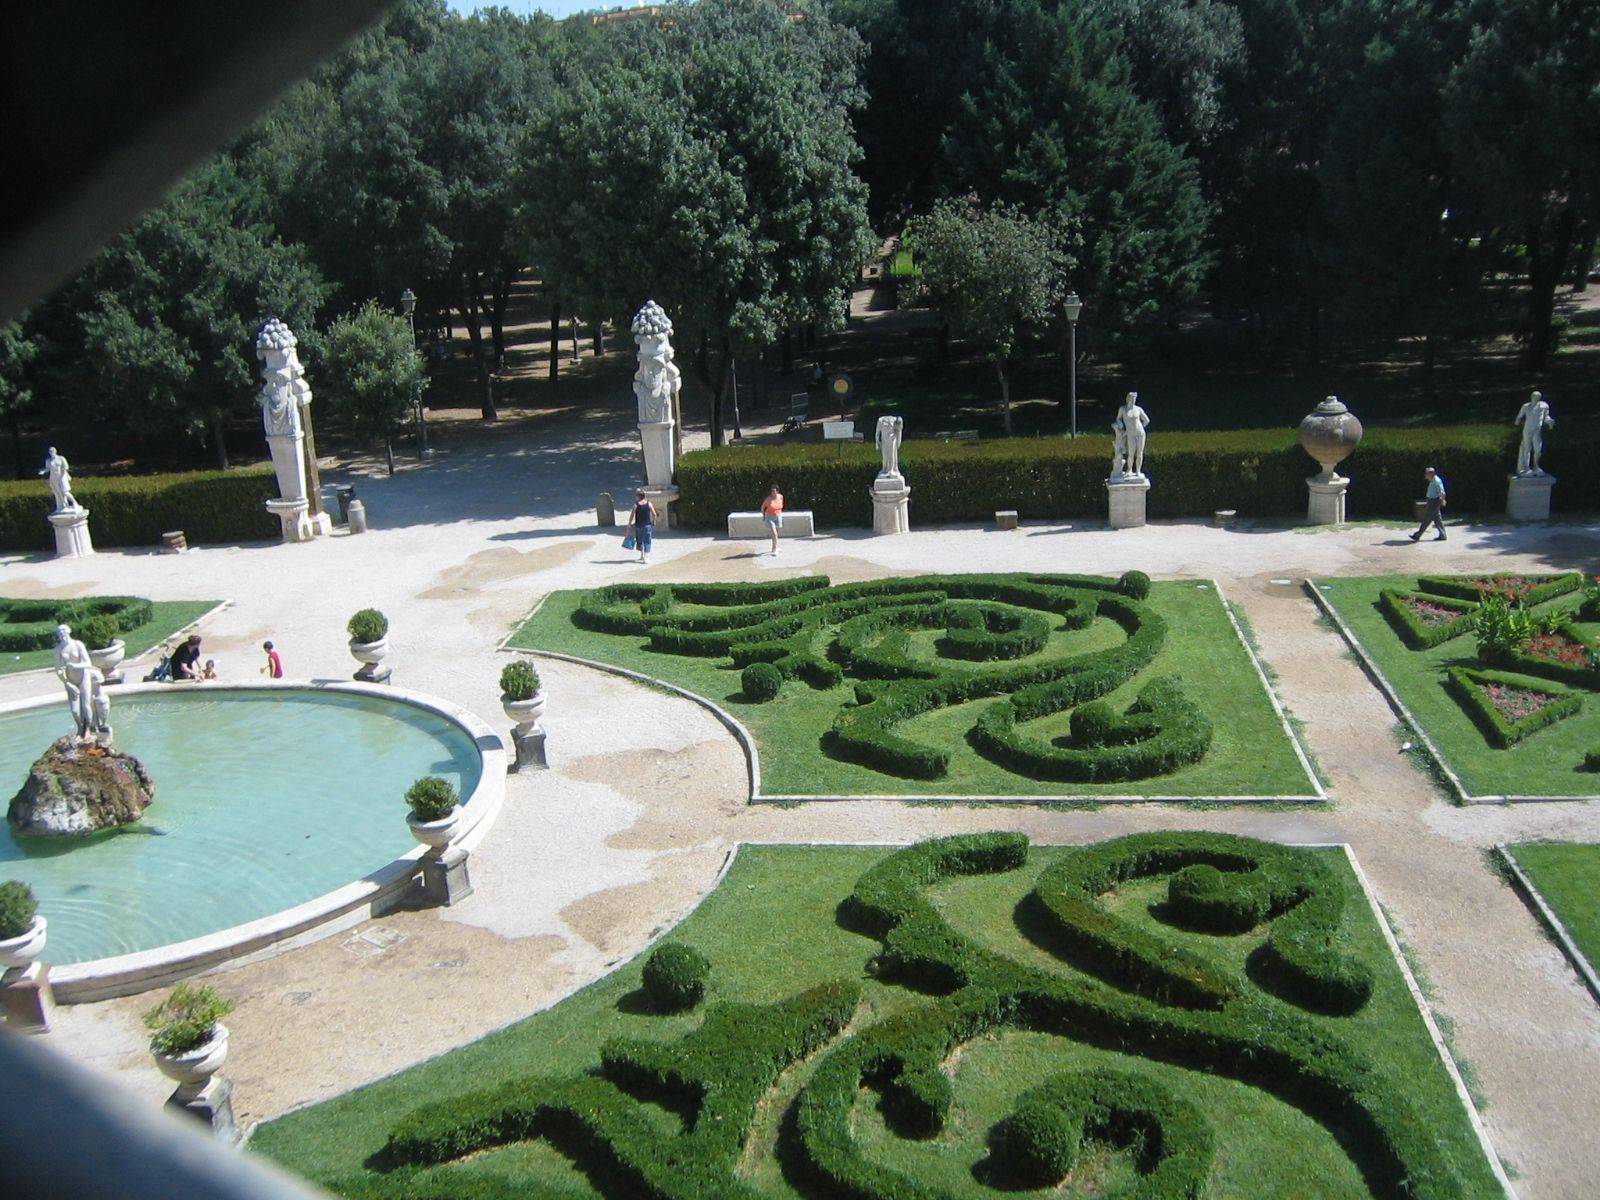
(641, 524)
(274, 667)
(1436, 503)
(772, 514)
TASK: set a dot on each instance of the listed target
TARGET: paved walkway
(645, 801)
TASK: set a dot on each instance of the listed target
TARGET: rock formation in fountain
(75, 790)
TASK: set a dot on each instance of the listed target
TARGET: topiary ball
(675, 976)
(1041, 1143)
(1219, 901)
(761, 681)
(1135, 584)
(1092, 723)
(1591, 761)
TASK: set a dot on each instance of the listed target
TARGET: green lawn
(169, 617)
(1250, 755)
(1566, 876)
(1549, 763)
(773, 928)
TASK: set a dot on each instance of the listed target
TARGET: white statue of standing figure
(86, 697)
(1128, 438)
(60, 473)
(1535, 418)
(656, 385)
(890, 433)
(283, 394)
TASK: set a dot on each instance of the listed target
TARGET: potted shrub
(435, 811)
(188, 1039)
(369, 641)
(22, 929)
(520, 697)
(106, 649)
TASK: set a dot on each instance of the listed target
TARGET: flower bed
(1558, 647)
(1505, 707)
(1426, 621)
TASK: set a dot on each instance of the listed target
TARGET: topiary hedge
(761, 682)
(675, 976)
(1411, 628)
(1528, 590)
(1467, 685)
(31, 624)
(135, 510)
(1258, 472)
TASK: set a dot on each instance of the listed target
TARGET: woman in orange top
(772, 514)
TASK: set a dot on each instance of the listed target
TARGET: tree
(1057, 128)
(993, 274)
(166, 316)
(372, 373)
(707, 166)
(19, 351)
(1522, 115)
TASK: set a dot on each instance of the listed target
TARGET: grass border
(133, 658)
(1552, 922)
(747, 742)
(1370, 666)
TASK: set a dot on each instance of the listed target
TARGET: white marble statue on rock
(60, 477)
(86, 697)
(1535, 418)
(1128, 439)
(890, 433)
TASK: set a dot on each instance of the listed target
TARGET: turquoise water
(263, 800)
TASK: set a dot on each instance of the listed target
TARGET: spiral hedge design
(1138, 994)
(992, 631)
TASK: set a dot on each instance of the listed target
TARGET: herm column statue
(284, 394)
(656, 387)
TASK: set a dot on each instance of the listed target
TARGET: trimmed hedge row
(1412, 630)
(1571, 674)
(1162, 731)
(31, 624)
(1467, 685)
(135, 510)
(1244, 1036)
(1258, 472)
(1042, 1140)
(1472, 587)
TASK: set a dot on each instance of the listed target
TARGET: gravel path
(590, 860)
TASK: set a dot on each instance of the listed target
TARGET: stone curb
(1580, 963)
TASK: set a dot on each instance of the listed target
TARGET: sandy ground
(646, 796)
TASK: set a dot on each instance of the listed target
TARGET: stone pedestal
(1125, 499)
(529, 742)
(444, 876)
(213, 1108)
(656, 437)
(321, 524)
(1325, 503)
(891, 504)
(378, 672)
(665, 498)
(293, 516)
(356, 517)
(26, 1000)
(1005, 518)
(72, 532)
(1528, 497)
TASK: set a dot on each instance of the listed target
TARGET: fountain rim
(311, 920)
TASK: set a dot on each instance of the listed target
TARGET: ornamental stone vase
(18, 953)
(191, 1070)
(436, 835)
(108, 658)
(524, 714)
(1330, 433)
(371, 656)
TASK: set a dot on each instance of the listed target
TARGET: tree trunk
(573, 322)
(555, 341)
(467, 306)
(1005, 394)
(1547, 261)
(788, 352)
(16, 444)
(219, 446)
(1584, 261)
(388, 449)
(597, 335)
(715, 378)
(497, 318)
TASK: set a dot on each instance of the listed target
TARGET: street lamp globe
(1074, 306)
(408, 302)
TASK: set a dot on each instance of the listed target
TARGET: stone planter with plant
(106, 649)
(22, 929)
(188, 1039)
(435, 812)
(369, 645)
(520, 696)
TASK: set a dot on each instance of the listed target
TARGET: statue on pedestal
(1535, 418)
(890, 433)
(656, 387)
(1128, 439)
(283, 387)
(60, 473)
(86, 697)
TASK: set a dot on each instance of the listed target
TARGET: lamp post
(1074, 306)
(408, 307)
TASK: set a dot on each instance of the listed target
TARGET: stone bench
(796, 523)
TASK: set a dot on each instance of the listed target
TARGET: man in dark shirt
(186, 659)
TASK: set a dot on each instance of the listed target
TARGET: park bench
(955, 435)
(796, 523)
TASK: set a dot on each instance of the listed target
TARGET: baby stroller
(162, 672)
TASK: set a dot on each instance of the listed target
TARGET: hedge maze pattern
(1137, 993)
(31, 624)
(992, 635)
(1513, 669)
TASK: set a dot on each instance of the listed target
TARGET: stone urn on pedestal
(522, 700)
(25, 995)
(189, 1044)
(435, 821)
(1330, 433)
(369, 645)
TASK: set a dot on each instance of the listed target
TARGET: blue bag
(627, 542)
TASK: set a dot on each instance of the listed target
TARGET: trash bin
(605, 511)
(345, 493)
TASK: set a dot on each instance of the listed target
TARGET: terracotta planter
(193, 1069)
(436, 835)
(523, 713)
(107, 660)
(18, 953)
